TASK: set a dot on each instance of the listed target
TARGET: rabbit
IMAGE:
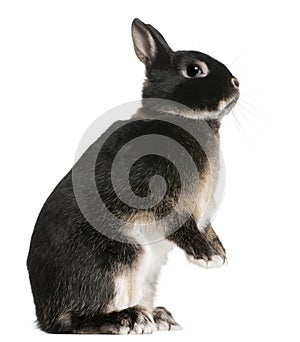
(91, 274)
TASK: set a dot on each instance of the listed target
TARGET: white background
(63, 63)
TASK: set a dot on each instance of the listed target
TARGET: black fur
(198, 94)
(72, 265)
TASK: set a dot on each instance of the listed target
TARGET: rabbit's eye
(193, 70)
(196, 70)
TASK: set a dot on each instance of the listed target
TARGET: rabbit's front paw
(164, 320)
(214, 242)
(212, 262)
(143, 322)
(205, 252)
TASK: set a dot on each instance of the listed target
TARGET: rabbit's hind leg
(133, 320)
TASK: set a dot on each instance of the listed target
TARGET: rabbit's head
(190, 78)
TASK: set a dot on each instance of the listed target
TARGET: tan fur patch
(126, 290)
(205, 198)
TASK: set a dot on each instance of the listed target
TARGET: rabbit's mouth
(226, 106)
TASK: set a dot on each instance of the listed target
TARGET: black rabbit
(91, 273)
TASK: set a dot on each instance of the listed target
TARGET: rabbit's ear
(148, 43)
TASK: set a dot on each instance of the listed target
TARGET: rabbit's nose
(235, 82)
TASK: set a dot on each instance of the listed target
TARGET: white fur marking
(124, 330)
(224, 107)
(140, 328)
(155, 256)
(137, 286)
(215, 262)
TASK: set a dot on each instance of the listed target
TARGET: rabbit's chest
(205, 196)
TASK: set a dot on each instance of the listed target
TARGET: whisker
(249, 109)
(248, 93)
(246, 102)
(239, 53)
(234, 60)
(241, 114)
(238, 124)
